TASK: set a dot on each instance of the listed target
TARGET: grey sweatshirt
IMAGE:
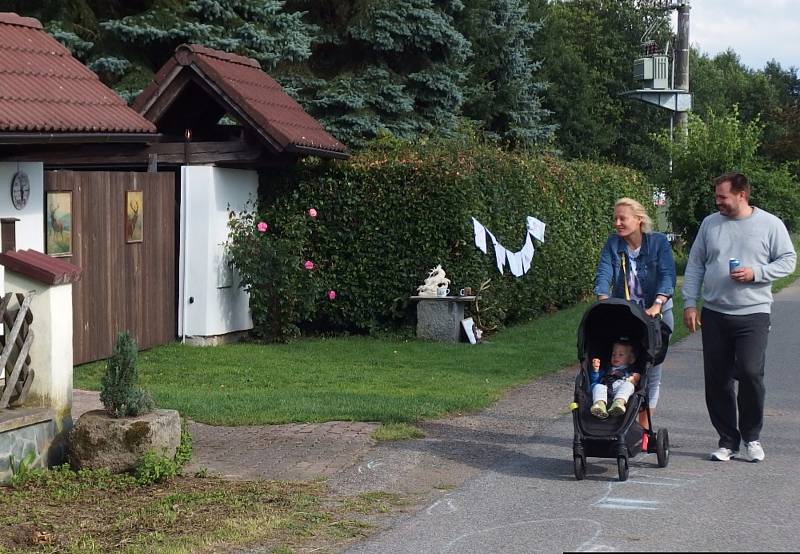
(760, 241)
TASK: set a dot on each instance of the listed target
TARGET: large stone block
(99, 441)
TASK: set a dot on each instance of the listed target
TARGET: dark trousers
(734, 348)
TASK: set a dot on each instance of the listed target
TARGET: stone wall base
(29, 430)
(217, 340)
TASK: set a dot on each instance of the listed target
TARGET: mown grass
(348, 378)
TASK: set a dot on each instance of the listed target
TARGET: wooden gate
(128, 278)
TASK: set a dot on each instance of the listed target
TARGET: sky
(758, 30)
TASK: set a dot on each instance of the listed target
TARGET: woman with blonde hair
(650, 274)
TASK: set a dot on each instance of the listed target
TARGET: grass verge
(64, 511)
(396, 432)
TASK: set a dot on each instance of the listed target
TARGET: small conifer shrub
(119, 393)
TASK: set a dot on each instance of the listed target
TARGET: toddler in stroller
(618, 435)
(620, 377)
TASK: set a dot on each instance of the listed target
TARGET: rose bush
(270, 257)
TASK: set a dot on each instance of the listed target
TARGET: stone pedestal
(439, 318)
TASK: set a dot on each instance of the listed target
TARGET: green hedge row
(390, 214)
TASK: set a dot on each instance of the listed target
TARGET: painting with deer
(59, 223)
(134, 229)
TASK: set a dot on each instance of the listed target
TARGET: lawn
(355, 378)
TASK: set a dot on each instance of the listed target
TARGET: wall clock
(20, 190)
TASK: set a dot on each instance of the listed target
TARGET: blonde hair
(638, 211)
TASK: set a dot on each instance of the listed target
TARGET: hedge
(391, 213)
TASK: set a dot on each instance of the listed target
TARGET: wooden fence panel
(124, 285)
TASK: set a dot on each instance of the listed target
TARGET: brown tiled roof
(242, 81)
(44, 89)
(40, 267)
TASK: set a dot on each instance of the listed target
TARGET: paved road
(529, 501)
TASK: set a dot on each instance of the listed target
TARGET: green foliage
(21, 472)
(65, 483)
(588, 48)
(155, 468)
(394, 66)
(396, 210)
(720, 144)
(503, 93)
(271, 255)
(119, 394)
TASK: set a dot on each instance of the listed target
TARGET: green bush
(391, 213)
(269, 252)
(118, 391)
(717, 145)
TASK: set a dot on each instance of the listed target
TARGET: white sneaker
(753, 451)
(723, 454)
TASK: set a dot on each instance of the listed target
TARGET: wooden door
(128, 277)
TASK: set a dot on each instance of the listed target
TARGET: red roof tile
(44, 89)
(40, 267)
(253, 92)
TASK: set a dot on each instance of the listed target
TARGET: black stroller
(617, 437)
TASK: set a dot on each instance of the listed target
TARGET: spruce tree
(503, 90)
(394, 66)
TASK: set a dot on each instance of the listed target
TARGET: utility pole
(681, 118)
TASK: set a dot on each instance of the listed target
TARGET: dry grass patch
(87, 513)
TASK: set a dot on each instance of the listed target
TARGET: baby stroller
(617, 437)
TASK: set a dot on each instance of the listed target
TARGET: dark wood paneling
(124, 285)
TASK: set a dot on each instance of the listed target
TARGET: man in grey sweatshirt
(736, 308)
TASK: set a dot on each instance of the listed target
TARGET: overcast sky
(758, 30)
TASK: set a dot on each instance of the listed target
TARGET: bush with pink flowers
(271, 258)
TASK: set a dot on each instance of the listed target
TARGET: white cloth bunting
(518, 262)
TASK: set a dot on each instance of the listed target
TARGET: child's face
(622, 354)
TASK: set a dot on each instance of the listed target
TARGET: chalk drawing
(441, 507)
(371, 465)
(578, 524)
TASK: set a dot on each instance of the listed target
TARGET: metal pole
(682, 60)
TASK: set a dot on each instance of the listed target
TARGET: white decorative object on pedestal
(435, 279)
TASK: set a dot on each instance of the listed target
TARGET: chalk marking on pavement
(449, 507)
(657, 484)
(627, 504)
(371, 465)
(589, 543)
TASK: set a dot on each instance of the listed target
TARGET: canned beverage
(733, 263)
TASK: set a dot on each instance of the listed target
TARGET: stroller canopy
(607, 321)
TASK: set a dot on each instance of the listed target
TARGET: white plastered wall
(30, 227)
(210, 301)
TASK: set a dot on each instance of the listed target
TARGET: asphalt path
(529, 501)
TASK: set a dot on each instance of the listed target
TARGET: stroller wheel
(580, 467)
(622, 466)
(662, 447)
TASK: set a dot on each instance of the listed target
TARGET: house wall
(30, 227)
(210, 302)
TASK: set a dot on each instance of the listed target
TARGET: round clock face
(20, 190)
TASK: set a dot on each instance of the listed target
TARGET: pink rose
(309, 264)
(331, 295)
(312, 212)
(262, 226)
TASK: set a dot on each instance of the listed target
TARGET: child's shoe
(617, 408)
(598, 409)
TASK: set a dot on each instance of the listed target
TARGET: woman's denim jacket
(655, 268)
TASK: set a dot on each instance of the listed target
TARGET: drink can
(733, 263)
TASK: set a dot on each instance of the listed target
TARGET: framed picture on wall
(134, 228)
(59, 223)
